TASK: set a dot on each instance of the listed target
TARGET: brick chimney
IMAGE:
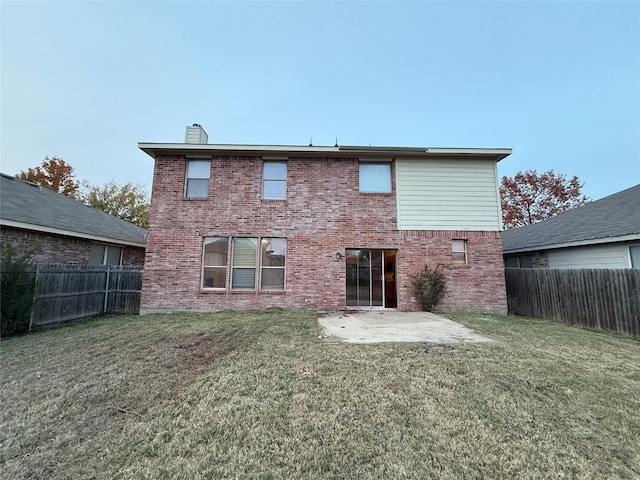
(195, 134)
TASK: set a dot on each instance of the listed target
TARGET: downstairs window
(247, 266)
(105, 255)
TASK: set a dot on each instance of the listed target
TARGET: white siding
(447, 195)
(597, 256)
(195, 134)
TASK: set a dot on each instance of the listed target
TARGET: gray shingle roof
(25, 202)
(611, 217)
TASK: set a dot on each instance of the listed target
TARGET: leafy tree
(55, 174)
(530, 197)
(129, 202)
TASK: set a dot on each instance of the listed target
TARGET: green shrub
(17, 282)
(428, 287)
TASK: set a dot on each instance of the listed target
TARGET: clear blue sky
(557, 82)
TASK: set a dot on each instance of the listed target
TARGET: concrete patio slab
(380, 326)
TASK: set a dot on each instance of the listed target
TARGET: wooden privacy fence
(604, 299)
(67, 292)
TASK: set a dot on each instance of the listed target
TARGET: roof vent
(195, 134)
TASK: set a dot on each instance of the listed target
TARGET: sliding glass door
(370, 278)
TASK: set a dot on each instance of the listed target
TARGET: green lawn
(257, 395)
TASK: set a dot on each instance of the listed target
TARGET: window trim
(266, 179)
(257, 267)
(518, 260)
(204, 266)
(511, 259)
(631, 265)
(364, 162)
(234, 267)
(271, 267)
(105, 253)
(187, 177)
(464, 251)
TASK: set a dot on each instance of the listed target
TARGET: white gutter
(187, 148)
(68, 233)
(470, 151)
(196, 147)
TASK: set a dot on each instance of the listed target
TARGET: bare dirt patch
(203, 349)
(171, 365)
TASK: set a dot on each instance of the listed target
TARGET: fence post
(106, 290)
(35, 297)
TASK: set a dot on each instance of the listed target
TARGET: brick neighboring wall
(324, 214)
(540, 259)
(60, 248)
(133, 256)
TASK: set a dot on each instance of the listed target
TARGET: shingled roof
(27, 205)
(610, 219)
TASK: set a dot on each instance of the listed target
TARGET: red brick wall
(133, 256)
(324, 214)
(59, 248)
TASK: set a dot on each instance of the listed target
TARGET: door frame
(383, 287)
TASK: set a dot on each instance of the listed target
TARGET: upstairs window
(459, 252)
(274, 180)
(197, 184)
(375, 177)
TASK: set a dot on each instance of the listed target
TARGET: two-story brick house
(326, 228)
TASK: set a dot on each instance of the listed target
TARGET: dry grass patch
(257, 395)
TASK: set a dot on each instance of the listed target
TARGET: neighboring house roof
(32, 207)
(311, 151)
(611, 219)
